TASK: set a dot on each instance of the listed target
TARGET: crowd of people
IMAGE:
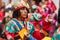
(29, 21)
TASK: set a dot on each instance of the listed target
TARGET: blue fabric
(18, 24)
(31, 38)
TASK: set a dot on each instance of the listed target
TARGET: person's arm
(37, 16)
(10, 27)
(30, 27)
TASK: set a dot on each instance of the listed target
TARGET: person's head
(44, 1)
(9, 12)
(9, 1)
(37, 1)
(25, 0)
(38, 26)
(40, 3)
(3, 4)
(20, 12)
(35, 11)
(33, 2)
(2, 9)
(50, 19)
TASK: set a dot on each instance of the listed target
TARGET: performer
(18, 23)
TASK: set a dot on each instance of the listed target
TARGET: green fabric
(32, 17)
(53, 38)
(30, 27)
(30, 31)
(57, 36)
(11, 27)
(35, 16)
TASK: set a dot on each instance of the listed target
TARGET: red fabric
(1, 39)
(46, 25)
(39, 9)
(43, 15)
(53, 6)
(20, 7)
(34, 23)
(11, 34)
(41, 12)
(37, 35)
(1, 15)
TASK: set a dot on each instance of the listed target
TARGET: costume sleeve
(37, 16)
(55, 36)
(30, 27)
(32, 17)
(11, 27)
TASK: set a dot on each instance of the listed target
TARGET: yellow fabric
(46, 38)
(22, 32)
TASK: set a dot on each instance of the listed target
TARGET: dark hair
(37, 1)
(7, 10)
(12, 9)
(33, 10)
(59, 16)
(2, 8)
(46, 0)
(10, 1)
(16, 13)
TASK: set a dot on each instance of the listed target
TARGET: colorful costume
(41, 11)
(11, 28)
(30, 27)
(56, 35)
(46, 26)
(36, 34)
(35, 16)
(51, 4)
(46, 38)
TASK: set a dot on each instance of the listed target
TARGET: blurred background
(37, 1)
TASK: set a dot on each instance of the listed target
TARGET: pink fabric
(51, 4)
(41, 22)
